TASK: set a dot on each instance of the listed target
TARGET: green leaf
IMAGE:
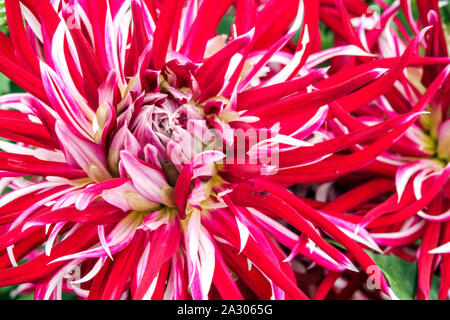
(225, 25)
(3, 21)
(435, 288)
(69, 296)
(327, 36)
(28, 296)
(7, 189)
(4, 292)
(5, 84)
(402, 276)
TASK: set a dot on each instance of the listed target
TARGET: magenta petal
(148, 180)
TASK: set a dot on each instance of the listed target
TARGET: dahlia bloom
(151, 158)
(403, 198)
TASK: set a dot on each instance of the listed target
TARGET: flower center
(164, 125)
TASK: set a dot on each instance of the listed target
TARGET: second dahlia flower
(403, 197)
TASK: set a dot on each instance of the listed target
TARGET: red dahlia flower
(150, 157)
